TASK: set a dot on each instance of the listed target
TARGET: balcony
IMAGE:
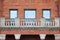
(29, 24)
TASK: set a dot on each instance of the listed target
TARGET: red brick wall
(29, 32)
(1, 8)
(29, 4)
(59, 7)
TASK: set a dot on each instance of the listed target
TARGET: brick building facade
(24, 4)
(21, 6)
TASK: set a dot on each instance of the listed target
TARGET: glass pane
(13, 13)
(30, 13)
(46, 14)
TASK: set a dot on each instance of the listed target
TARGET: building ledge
(29, 28)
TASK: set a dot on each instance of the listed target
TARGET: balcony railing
(37, 24)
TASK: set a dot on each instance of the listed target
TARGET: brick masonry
(59, 7)
(5, 5)
(31, 4)
(29, 32)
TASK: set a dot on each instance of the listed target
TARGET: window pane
(13, 13)
(30, 13)
(46, 14)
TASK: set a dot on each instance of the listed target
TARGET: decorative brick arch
(50, 37)
(10, 37)
(30, 37)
